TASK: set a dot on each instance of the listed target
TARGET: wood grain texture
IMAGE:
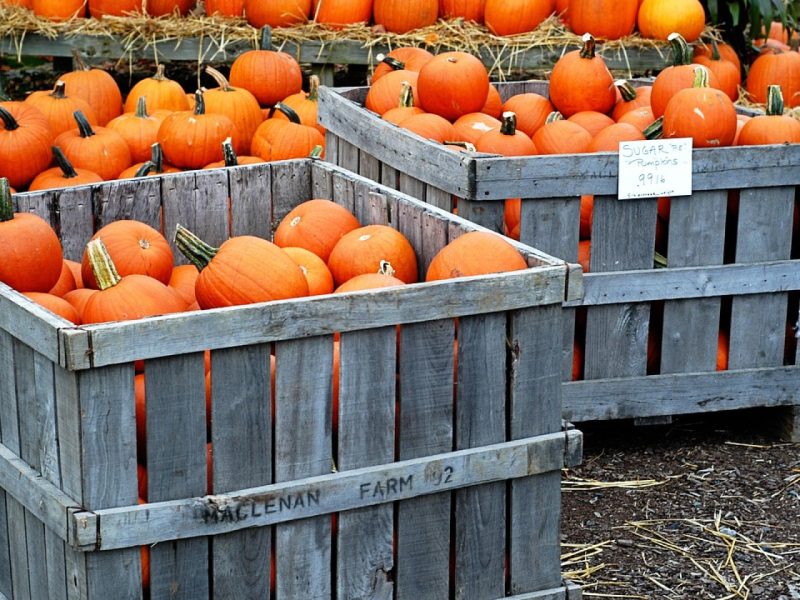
(331, 148)
(74, 213)
(368, 166)
(291, 185)
(30, 323)
(321, 181)
(348, 156)
(251, 202)
(138, 199)
(486, 214)
(344, 192)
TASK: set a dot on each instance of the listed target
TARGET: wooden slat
(569, 591)
(30, 323)
(434, 237)
(176, 467)
(439, 198)
(486, 214)
(291, 185)
(321, 182)
(368, 166)
(74, 220)
(389, 176)
(5, 557)
(480, 512)
(303, 448)
(241, 438)
(426, 427)
(367, 372)
(344, 193)
(348, 156)
(251, 202)
(408, 221)
(332, 147)
(137, 199)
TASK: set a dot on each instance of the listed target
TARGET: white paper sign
(655, 168)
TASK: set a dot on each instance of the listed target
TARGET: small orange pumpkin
(97, 87)
(59, 108)
(316, 225)
(239, 105)
(160, 92)
(56, 305)
(558, 136)
(139, 129)
(475, 253)
(316, 272)
(773, 127)
(99, 149)
(453, 84)
(63, 175)
(506, 140)
(363, 250)
(581, 81)
(25, 141)
(270, 76)
(531, 110)
(401, 16)
(409, 59)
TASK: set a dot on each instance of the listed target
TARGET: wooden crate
(441, 479)
(758, 286)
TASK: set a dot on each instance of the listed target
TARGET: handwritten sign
(655, 168)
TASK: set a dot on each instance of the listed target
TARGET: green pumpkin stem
(774, 100)
(84, 127)
(626, 90)
(6, 205)
(199, 103)
(469, 147)
(229, 154)
(700, 77)
(509, 126)
(157, 157)
(316, 152)
(393, 63)
(8, 119)
(655, 130)
(313, 88)
(145, 170)
(193, 248)
(589, 46)
(78, 61)
(105, 273)
(715, 55)
(289, 112)
(159, 76)
(406, 95)
(59, 90)
(681, 51)
(222, 82)
(63, 163)
(553, 117)
(141, 108)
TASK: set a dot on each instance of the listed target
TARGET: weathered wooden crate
(755, 288)
(441, 479)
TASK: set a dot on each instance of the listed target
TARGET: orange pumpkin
(773, 127)
(97, 87)
(509, 17)
(630, 98)
(159, 8)
(59, 108)
(453, 84)
(475, 253)
(383, 94)
(641, 118)
(370, 281)
(79, 297)
(591, 121)
(472, 126)
(409, 59)
(239, 105)
(775, 67)
(581, 81)
(97, 149)
(63, 10)
(338, 13)
(405, 108)
(66, 281)
(726, 72)
(531, 110)
(56, 305)
(401, 16)
(469, 10)
(558, 136)
(276, 139)
(604, 19)
(25, 141)
(317, 274)
(363, 250)
(270, 76)
(726, 52)
(660, 18)
(225, 8)
(160, 92)
(506, 140)
(182, 280)
(305, 105)
(63, 175)
(608, 139)
(152, 167)
(276, 13)
(139, 129)
(316, 225)
(116, 8)
(430, 126)
(231, 159)
(494, 103)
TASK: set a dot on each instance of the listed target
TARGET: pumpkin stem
(394, 64)
(8, 119)
(553, 117)
(193, 248)
(84, 127)
(159, 76)
(145, 169)
(509, 126)
(59, 90)
(77, 59)
(223, 83)
(157, 157)
(265, 40)
(715, 55)
(655, 130)
(313, 88)
(406, 95)
(681, 52)
(231, 160)
(588, 49)
(6, 206)
(386, 268)
(141, 108)
(63, 163)
(626, 90)
(289, 112)
(105, 273)
(700, 77)
(469, 147)
(316, 152)
(774, 100)
(199, 103)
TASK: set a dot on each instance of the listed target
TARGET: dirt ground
(701, 509)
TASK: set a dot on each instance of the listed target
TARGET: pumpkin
(363, 250)
(630, 98)
(123, 298)
(56, 305)
(585, 254)
(509, 17)
(562, 10)
(512, 209)
(740, 121)
(239, 105)
(773, 127)
(243, 270)
(469, 10)
(97, 149)
(192, 139)
(726, 52)
(305, 105)
(430, 126)
(338, 13)
(160, 92)
(276, 13)
(75, 267)
(159, 8)
(182, 280)
(723, 348)
(61, 10)
(591, 121)
(704, 114)
(581, 81)
(22, 3)
(726, 72)
(116, 8)
(66, 281)
(660, 18)
(608, 139)
(25, 141)
(316, 225)
(270, 76)
(136, 249)
(531, 110)
(154, 166)
(558, 136)
(587, 208)
(475, 253)
(472, 126)
(139, 129)
(231, 159)
(32, 258)
(225, 8)
(494, 103)
(276, 139)
(409, 59)
(383, 94)
(775, 68)
(63, 175)
(79, 297)
(405, 108)
(97, 87)
(604, 19)
(59, 108)
(371, 281)
(453, 84)
(401, 16)
(506, 140)
(317, 274)
(641, 118)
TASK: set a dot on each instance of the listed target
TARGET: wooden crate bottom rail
(648, 285)
(569, 591)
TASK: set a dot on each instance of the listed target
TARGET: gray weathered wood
(366, 394)
(137, 199)
(291, 185)
(434, 238)
(487, 214)
(74, 220)
(344, 193)
(251, 202)
(30, 323)
(368, 166)
(348, 156)
(321, 182)
(409, 222)
(569, 591)
(5, 558)
(241, 426)
(439, 198)
(331, 148)
(303, 448)
(426, 427)
(176, 466)
(480, 512)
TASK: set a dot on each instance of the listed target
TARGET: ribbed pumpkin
(31, 252)
(531, 110)
(22, 3)
(453, 84)
(231, 159)
(59, 108)
(475, 253)
(409, 59)
(56, 305)
(239, 105)
(135, 248)
(66, 281)
(225, 8)
(364, 250)
(317, 274)
(509, 17)
(63, 175)
(726, 52)
(151, 167)
(370, 281)
(469, 10)
(383, 94)
(506, 140)
(494, 103)
(276, 139)
(276, 13)
(775, 67)
(182, 280)
(124, 298)
(192, 139)
(773, 127)
(139, 129)
(97, 87)
(472, 126)
(270, 76)
(338, 13)
(117, 8)
(608, 139)
(641, 118)
(726, 72)
(591, 121)
(430, 127)
(659, 18)
(405, 108)
(25, 140)
(243, 270)
(316, 225)
(97, 149)
(160, 93)
(558, 136)
(305, 105)
(704, 114)
(79, 297)
(158, 8)
(604, 19)
(61, 10)
(630, 98)
(401, 16)
(581, 81)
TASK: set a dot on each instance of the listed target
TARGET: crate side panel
(409, 222)
(74, 210)
(367, 369)
(241, 438)
(138, 199)
(488, 214)
(344, 191)
(480, 511)
(251, 200)
(291, 185)
(435, 231)
(369, 166)
(331, 148)
(321, 181)
(426, 427)
(303, 447)
(348, 156)
(438, 198)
